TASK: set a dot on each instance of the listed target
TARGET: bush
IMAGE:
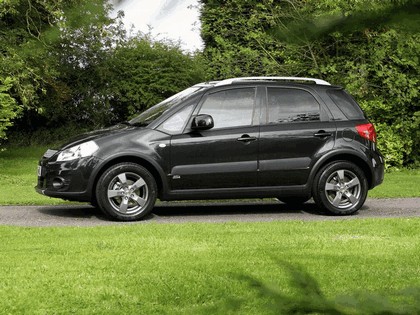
(44, 136)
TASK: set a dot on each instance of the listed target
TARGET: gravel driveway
(180, 212)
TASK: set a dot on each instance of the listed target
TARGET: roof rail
(230, 81)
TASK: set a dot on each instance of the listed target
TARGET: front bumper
(70, 180)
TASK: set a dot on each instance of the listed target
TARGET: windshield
(156, 111)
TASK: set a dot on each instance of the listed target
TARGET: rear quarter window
(346, 104)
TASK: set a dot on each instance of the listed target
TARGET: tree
(8, 108)
(369, 47)
(70, 63)
(236, 41)
(143, 72)
(38, 42)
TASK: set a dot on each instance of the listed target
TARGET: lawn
(19, 165)
(197, 268)
(194, 268)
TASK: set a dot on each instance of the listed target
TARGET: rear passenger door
(295, 133)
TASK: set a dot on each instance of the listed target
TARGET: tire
(294, 201)
(126, 192)
(340, 188)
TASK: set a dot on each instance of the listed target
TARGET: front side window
(291, 105)
(230, 108)
(175, 124)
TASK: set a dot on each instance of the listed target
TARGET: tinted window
(175, 124)
(230, 108)
(347, 104)
(291, 105)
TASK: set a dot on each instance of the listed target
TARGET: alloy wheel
(343, 189)
(127, 193)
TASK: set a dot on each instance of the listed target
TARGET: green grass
(403, 183)
(192, 268)
(196, 268)
(18, 167)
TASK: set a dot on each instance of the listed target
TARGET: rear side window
(291, 105)
(346, 104)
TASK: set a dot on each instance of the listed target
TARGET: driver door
(224, 156)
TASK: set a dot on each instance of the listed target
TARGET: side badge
(176, 177)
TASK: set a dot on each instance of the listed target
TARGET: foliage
(38, 41)
(71, 63)
(236, 42)
(349, 43)
(8, 108)
(142, 72)
(308, 298)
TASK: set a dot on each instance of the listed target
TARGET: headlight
(78, 151)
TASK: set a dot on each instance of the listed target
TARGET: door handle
(322, 134)
(246, 138)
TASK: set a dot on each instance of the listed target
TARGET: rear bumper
(378, 169)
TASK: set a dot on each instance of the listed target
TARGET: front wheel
(126, 192)
(340, 188)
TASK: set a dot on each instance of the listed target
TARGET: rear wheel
(126, 192)
(340, 188)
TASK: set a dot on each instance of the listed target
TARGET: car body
(288, 138)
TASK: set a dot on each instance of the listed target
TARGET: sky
(177, 20)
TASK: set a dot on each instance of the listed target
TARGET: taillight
(367, 131)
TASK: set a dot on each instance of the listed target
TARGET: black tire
(294, 201)
(340, 188)
(126, 192)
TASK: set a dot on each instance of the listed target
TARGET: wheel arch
(351, 157)
(150, 166)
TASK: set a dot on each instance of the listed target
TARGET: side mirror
(202, 122)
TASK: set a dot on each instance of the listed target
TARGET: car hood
(96, 134)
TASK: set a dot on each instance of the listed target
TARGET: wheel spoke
(124, 205)
(340, 174)
(337, 199)
(354, 182)
(330, 186)
(138, 184)
(114, 193)
(140, 201)
(123, 178)
(351, 197)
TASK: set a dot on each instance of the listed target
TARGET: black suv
(282, 137)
